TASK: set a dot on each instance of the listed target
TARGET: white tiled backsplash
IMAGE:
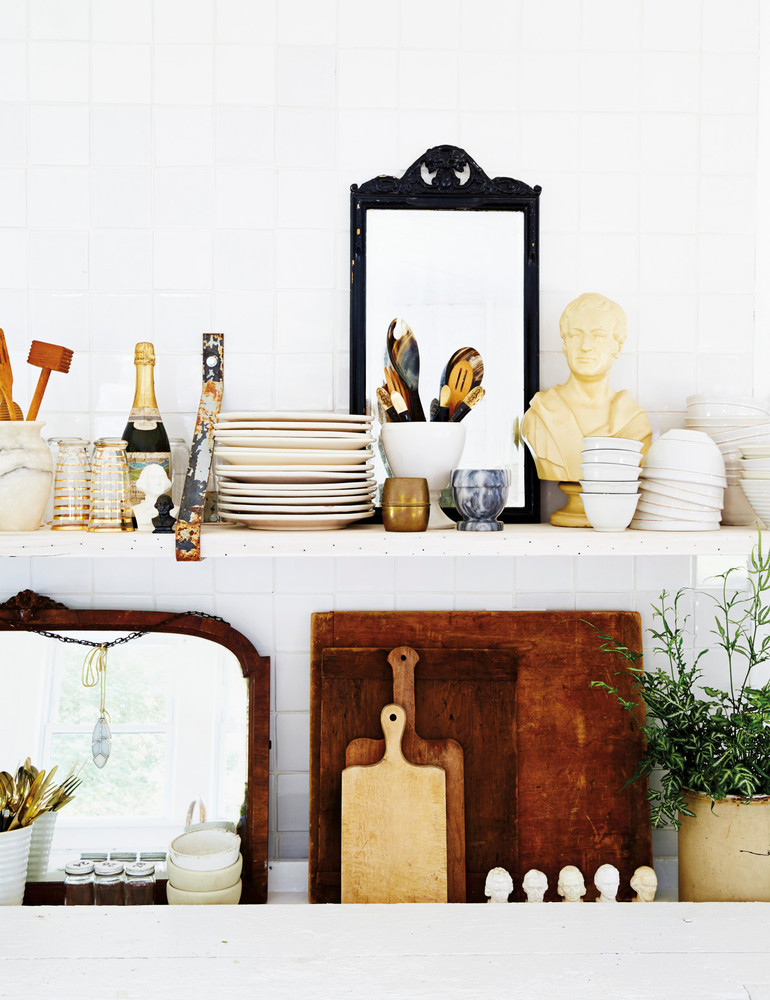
(174, 166)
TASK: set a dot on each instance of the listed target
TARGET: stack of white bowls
(755, 480)
(731, 422)
(610, 481)
(204, 867)
(683, 483)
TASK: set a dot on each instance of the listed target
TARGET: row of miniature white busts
(571, 885)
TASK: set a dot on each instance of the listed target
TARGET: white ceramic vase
(40, 846)
(425, 450)
(14, 851)
(26, 472)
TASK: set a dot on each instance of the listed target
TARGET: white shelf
(372, 540)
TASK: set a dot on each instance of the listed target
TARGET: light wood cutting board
(446, 754)
(394, 846)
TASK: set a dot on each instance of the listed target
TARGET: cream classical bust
(593, 329)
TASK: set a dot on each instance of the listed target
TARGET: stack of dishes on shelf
(204, 867)
(610, 481)
(296, 471)
(755, 480)
(683, 483)
(731, 422)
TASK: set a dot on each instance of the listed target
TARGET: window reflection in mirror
(455, 278)
(178, 713)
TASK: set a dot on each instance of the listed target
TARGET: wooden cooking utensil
(460, 382)
(394, 847)
(10, 410)
(445, 753)
(51, 358)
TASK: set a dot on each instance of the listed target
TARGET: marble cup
(26, 473)
(480, 495)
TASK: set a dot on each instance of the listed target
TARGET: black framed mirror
(454, 253)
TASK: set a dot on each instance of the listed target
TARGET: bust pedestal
(572, 514)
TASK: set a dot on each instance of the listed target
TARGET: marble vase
(480, 495)
(26, 473)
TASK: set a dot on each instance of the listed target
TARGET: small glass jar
(109, 509)
(79, 884)
(109, 884)
(72, 485)
(140, 884)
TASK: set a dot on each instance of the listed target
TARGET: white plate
(293, 474)
(308, 416)
(299, 522)
(299, 489)
(255, 439)
(755, 450)
(293, 456)
(293, 430)
(235, 510)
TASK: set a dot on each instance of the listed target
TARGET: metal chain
(30, 627)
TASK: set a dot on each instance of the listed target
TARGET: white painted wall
(176, 166)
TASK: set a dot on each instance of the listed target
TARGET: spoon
(464, 371)
(405, 358)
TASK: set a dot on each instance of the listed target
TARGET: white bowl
(711, 496)
(205, 850)
(611, 456)
(647, 523)
(610, 512)
(607, 486)
(755, 450)
(709, 424)
(197, 881)
(676, 513)
(683, 476)
(686, 451)
(694, 506)
(624, 444)
(710, 404)
(219, 897)
(739, 435)
(606, 472)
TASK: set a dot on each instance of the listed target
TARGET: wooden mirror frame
(30, 612)
(456, 183)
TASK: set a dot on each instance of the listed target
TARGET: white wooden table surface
(555, 950)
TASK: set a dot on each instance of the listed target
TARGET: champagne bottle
(145, 434)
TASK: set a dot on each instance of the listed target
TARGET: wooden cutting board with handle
(394, 826)
(446, 754)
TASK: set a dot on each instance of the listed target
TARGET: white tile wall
(173, 166)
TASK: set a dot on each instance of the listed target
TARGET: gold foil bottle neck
(144, 353)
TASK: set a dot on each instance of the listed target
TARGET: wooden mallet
(51, 358)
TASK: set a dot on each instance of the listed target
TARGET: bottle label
(145, 425)
(138, 460)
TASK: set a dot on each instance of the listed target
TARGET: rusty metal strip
(188, 525)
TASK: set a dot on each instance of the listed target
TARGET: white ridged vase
(40, 846)
(14, 851)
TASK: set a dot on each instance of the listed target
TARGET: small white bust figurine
(152, 481)
(607, 881)
(534, 885)
(593, 329)
(499, 885)
(644, 882)
(571, 886)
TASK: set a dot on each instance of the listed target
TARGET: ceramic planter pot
(14, 852)
(723, 852)
(26, 472)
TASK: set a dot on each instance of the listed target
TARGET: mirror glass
(454, 253)
(451, 276)
(178, 711)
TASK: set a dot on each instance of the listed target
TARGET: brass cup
(405, 504)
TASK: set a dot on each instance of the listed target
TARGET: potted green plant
(708, 748)
(25, 797)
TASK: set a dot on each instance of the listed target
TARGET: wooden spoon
(460, 383)
(6, 383)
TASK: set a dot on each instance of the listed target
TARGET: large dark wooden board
(546, 756)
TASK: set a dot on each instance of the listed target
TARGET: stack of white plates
(683, 482)
(755, 480)
(294, 470)
(731, 422)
